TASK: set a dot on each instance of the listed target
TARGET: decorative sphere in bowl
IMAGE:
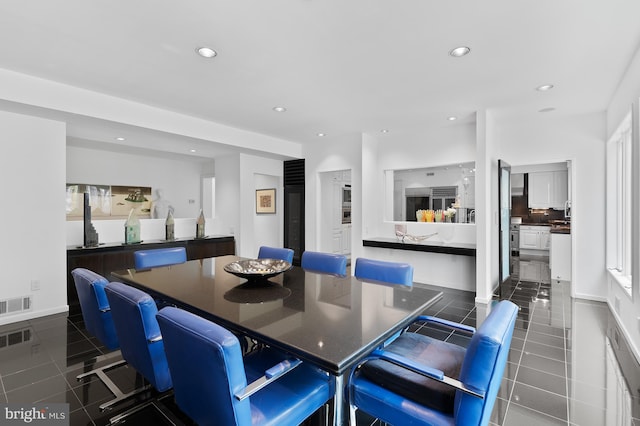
(257, 269)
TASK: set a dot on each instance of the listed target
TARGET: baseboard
(26, 316)
(591, 297)
(483, 300)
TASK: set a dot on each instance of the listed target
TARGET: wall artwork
(108, 202)
(266, 201)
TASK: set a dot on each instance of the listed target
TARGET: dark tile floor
(561, 368)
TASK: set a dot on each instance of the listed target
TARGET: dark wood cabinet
(107, 258)
(202, 249)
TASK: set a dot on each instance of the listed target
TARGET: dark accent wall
(294, 192)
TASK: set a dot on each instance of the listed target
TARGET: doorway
(541, 234)
(334, 230)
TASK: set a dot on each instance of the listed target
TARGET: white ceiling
(340, 67)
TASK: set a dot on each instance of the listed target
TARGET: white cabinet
(529, 237)
(560, 257)
(545, 239)
(534, 238)
(548, 189)
(336, 241)
(346, 239)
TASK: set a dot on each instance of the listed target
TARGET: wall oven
(346, 196)
(346, 204)
(346, 215)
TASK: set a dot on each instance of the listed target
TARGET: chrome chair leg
(113, 388)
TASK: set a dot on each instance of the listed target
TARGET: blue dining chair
(153, 258)
(421, 380)
(383, 271)
(134, 315)
(266, 252)
(98, 320)
(328, 263)
(214, 384)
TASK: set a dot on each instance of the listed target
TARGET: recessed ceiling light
(192, 150)
(384, 131)
(544, 87)
(321, 134)
(549, 109)
(459, 51)
(452, 118)
(279, 109)
(206, 52)
(119, 138)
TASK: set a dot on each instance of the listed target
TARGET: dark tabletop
(330, 321)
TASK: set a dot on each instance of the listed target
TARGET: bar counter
(462, 249)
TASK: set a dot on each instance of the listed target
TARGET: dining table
(332, 322)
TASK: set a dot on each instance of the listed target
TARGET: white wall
(32, 167)
(267, 227)
(179, 179)
(487, 253)
(581, 139)
(337, 153)
(227, 220)
(449, 144)
(256, 230)
(626, 309)
(368, 156)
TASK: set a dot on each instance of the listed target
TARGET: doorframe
(504, 223)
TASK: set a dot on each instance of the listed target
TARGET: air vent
(444, 192)
(15, 305)
(294, 172)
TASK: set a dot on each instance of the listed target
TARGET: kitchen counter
(425, 246)
(556, 226)
(560, 227)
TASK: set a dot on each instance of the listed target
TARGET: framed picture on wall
(266, 201)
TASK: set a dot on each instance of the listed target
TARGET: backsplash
(519, 208)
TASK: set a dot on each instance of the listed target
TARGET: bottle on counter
(200, 225)
(169, 227)
(132, 228)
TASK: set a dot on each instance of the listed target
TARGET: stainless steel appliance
(346, 196)
(346, 204)
(515, 235)
(346, 215)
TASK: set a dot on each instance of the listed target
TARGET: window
(618, 202)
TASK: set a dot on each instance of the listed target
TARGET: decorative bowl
(257, 269)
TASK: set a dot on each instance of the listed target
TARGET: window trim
(619, 177)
